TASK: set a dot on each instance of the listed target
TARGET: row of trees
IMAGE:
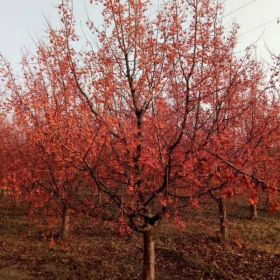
(154, 113)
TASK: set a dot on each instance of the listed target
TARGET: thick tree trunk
(149, 255)
(254, 211)
(65, 223)
(223, 219)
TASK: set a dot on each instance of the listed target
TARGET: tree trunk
(254, 211)
(2, 193)
(149, 254)
(267, 202)
(99, 197)
(223, 219)
(65, 223)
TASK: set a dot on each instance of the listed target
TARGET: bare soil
(97, 252)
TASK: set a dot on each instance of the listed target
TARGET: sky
(22, 22)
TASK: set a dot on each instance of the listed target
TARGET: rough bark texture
(223, 219)
(254, 211)
(149, 255)
(65, 223)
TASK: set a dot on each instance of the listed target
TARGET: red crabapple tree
(130, 114)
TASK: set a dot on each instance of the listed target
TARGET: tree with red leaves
(141, 117)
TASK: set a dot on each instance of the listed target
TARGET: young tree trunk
(149, 254)
(99, 197)
(65, 223)
(254, 211)
(2, 194)
(267, 202)
(223, 219)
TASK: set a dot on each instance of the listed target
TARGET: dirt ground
(97, 252)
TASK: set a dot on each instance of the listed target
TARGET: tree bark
(223, 219)
(254, 211)
(149, 254)
(65, 223)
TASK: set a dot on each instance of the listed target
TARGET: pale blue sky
(20, 20)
